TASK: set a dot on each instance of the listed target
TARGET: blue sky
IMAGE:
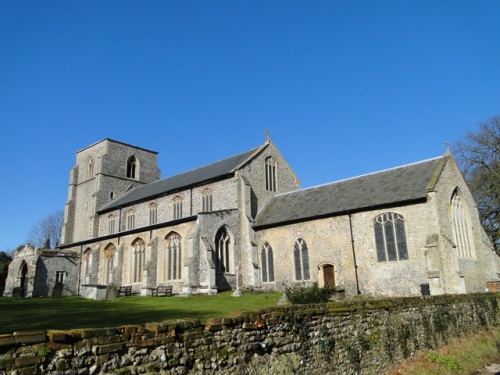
(345, 87)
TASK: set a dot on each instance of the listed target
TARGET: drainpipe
(354, 255)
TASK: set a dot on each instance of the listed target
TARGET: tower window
(131, 167)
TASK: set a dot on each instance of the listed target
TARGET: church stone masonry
(245, 221)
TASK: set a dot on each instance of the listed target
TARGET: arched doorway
(328, 272)
(23, 279)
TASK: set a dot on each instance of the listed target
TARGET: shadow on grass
(75, 312)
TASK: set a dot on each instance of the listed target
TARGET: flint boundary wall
(363, 337)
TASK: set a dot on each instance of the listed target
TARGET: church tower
(103, 172)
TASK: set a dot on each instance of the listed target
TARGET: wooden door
(328, 275)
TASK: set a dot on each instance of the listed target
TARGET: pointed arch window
(111, 224)
(109, 261)
(301, 259)
(206, 198)
(138, 259)
(153, 214)
(132, 167)
(267, 263)
(223, 252)
(460, 226)
(90, 168)
(86, 263)
(177, 208)
(390, 237)
(270, 174)
(130, 219)
(173, 265)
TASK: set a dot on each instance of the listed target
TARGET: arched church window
(138, 259)
(390, 237)
(109, 259)
(270, 174)
(460, 226)
(206, 200)
(267, 263)
(132, 167)
(177, 208)
(86, 262)
(173, 264)
(223, 252)
(90, 168)
(153, 214)
(301, 259)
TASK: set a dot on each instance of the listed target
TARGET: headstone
(58, 290)
(110, 292)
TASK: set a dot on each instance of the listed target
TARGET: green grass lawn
(74, 312)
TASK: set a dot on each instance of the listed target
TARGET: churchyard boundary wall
(348, 337)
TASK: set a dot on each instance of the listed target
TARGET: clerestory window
(153, 214)
(130, 219)
(206, 200)
(177, 208)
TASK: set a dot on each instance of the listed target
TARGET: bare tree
(46, 233)
(478, 155)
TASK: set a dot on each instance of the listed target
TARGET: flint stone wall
(335, 338)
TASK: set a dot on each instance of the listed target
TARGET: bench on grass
(124, 290)
(162, 291)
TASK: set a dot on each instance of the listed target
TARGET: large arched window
(267, 263)
(301, 259)
(153, 214)
(223, 251)
(206, 200)
(132, 167)
(390, 237)
(177, 208)
(270, 174)
(173, 264)
(109, 259)
(460, 226)
(90, 168)
(138, 259)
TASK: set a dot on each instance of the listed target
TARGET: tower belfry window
(131, 167)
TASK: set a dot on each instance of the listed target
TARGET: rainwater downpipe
(354, 255)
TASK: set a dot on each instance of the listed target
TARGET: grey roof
(178, 182)
(393, 186)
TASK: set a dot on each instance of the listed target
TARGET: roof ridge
(362, 175)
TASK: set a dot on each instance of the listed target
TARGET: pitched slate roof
(184, 180)
(393, 186)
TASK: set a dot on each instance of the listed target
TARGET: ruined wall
(336, 338)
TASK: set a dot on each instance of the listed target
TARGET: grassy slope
(74, 312)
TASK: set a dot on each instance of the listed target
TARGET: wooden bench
(124, 291)
(162, 291)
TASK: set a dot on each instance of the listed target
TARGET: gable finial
(448, 148)
(267, 135)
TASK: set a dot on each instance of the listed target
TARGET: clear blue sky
(345, 87)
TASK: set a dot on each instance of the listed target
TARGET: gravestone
(58, 290)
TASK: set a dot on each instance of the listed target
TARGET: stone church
(244, 222)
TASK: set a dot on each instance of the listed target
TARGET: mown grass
(74, 312)
(461, 356)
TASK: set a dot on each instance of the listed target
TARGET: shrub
(302, 294)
